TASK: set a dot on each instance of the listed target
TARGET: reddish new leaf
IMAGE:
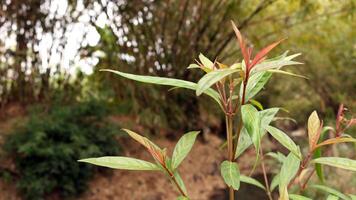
(351, 122)
(242, 44)
(260, 55)
(153, 149)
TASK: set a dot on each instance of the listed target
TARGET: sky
(79, 33)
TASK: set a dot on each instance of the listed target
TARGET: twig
(301, 168)
(268, 191)
(171, 175)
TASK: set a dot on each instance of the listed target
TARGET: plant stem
(265, 175)
(230, 147)
(301, 168)
(244, 89)
(238, 134)
(230, 141)
(173, 178)
(178, 186)
(231, 194)
(240, 120)
(229, 138)
(307, 180)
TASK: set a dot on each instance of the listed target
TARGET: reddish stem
(301, 168)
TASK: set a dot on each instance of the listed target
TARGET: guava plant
(233, 87)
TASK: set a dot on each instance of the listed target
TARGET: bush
(47, 147)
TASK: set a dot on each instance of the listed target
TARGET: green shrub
(46, 148)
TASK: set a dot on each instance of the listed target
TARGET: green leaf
(298, 197)
(276, 63)
(168, 162)
(286, 73)
(183, 147)
(283, 193)
(255, 84)
(285, 140)
(318, 167)
(256, 103)
(231, 174)
(205, 61)
(118, 162)
(275, 182)
(353, 197)
(343, 163)
(330, 191)
(166, 81)
(332, 197)
(251, 121)
(317, 154)
(180, 181)
(267, 116)
(313, 129)
(289, 169)
(193, 66)
(200, 66)
(251, 181)
(278, 156)
(244, 142)
(211, 78)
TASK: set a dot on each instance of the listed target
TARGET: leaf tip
(105, 70)
(85, 160)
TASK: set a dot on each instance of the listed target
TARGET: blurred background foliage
(162, 38)
(51, 52)
(46, 148)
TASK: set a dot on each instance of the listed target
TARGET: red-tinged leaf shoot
(157, 155)
(317, 137)
(242, 44)
(351, 122)
(260, 55)
(339, 117)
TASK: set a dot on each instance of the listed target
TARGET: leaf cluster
(233, 87)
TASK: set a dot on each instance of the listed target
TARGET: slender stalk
(307, 180)
(244, 89)
(238, 134)
(231, 194)
(301, 168)
(222, 100)
(173, 178)
(230, 149)
(240, 120)
(268, 190)
(230, 141)
(229, 138)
